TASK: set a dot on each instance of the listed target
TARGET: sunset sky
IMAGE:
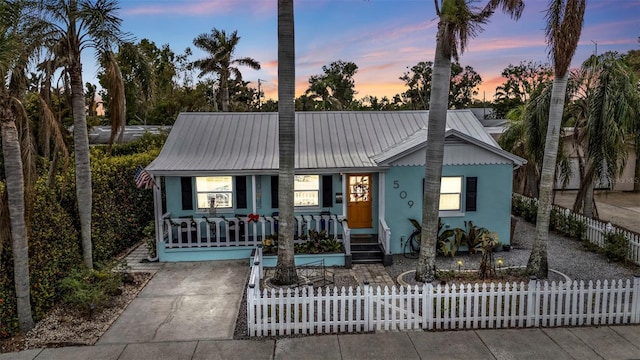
(383, 37)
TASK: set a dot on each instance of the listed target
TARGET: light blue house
(359, 175)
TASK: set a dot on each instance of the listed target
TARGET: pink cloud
(191, 8)
(493, 44)
(202, 8)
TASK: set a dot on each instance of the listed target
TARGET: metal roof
(99, 135)
(247, 143)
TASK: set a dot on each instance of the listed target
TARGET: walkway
(609, 342)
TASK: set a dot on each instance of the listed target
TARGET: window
(306, 190)
(450, 193)
(219, 188)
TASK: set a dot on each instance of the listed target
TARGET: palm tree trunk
(286, 269)
(16, 205)
(83, 165)
(224, 86)
(588, 200)
(425, 270)
(538, 264)
(636, 180)
(532, 180)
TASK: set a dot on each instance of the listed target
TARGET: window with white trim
(306, 190)
(451, 193)
(219, 188)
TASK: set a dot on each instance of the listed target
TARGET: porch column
(344, 195)
(254, 206)
(381, 197)
(157, 208)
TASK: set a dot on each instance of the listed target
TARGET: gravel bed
(565, 255)
(66, 326)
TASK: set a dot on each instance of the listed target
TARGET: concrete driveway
(184, 302)
(619, 208)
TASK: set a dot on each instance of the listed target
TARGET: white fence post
(635, 300)
(531, 301)
(368, 308)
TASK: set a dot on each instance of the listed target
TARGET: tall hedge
(120, 213)
(53, 251)
(120, 209)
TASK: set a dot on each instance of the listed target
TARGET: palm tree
(286, 268)
(14, 51)
(525, 138)
(605, 105)
(72, 27)
(458, 22)
(564, 25)
(221, 62)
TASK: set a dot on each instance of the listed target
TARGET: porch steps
(365, 249)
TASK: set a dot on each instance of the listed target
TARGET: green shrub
(576, 229)
(616, 246)
(149, 233)
(525, 207)
(89, 290)
(317, 242)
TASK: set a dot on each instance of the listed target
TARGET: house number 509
(403, 194)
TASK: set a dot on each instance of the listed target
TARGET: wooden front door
(359, 201)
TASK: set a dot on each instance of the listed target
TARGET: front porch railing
(221, 231)
(384, 236)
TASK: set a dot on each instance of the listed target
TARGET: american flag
(143, 179)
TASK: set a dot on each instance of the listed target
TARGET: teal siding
(403, 190)
(203, 254)
(263, 198)
(174, 200)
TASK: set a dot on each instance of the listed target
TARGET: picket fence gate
(308, 310)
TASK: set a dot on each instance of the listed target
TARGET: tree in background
(136, 62)
(632, 58)
(373, 103)
(521, 82)
(564, 25)
(335, 88)
(72, 27)
(605, 104)
(418, 80)
(458, 21)
(220, 48)
(525, 138)
(285, 273)
(463, 86)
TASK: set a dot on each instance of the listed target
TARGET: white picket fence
(310, 310)
(596, 230)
